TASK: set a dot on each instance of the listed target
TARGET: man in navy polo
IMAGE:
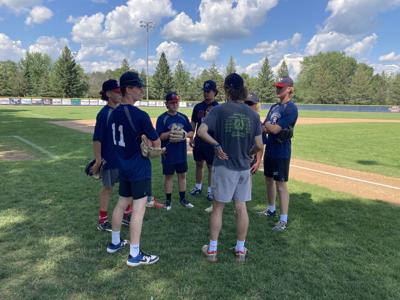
(175, 158)
(201, 150)
(281, 116)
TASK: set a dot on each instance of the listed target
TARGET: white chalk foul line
(44, 151)
(347, 177)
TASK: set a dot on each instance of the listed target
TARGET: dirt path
(357, 183)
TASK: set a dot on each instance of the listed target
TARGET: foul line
(35, 146)
(347, 177)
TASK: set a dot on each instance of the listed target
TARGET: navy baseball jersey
(100, 135)
(126, 138)
(176, 152)
(200, 111)
(284, 115)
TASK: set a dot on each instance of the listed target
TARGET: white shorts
(228, 185)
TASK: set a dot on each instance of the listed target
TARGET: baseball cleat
(267, 213)
(195, 191)
(280, 226)
(142, 259)
(106, 226)
(186, 203)
(111, 248)
(211, 255)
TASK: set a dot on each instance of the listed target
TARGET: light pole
(147, 25)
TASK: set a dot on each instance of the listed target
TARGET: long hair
(104, 95)
(233, 94)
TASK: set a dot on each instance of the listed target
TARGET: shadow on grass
(367, 162)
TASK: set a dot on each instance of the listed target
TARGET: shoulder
(215, 103)
(182, 116)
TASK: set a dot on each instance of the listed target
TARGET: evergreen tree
(121, 70)
(163, 82)
(181, 80)
(283, 70)
(68, 78)
(213, 74)
(394, 90)
(231, 67)
(379, 88)
(360, 90)
(9, 79)
(264, 88)
(35, 66)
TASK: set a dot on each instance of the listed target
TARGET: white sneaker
(209, 209)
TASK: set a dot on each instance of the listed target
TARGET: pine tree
(231, 67)
(214, 74)
(181, 80)
(68, 78)
(35, 66)
(9, 80)
(394, 90)
(379, 88)
(163, 82)
(283, 70)
(360, 90)
(264, 88)
(121, 70)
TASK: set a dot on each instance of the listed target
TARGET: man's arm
(156, 143)
(270, 128)
(258, 145)
(97, 156)
(203, 134)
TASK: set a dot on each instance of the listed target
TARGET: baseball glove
(89, 172)
(285, 135)
(149, 151)
(177, 134)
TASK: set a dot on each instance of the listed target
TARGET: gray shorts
(228, 185)
(109, 177)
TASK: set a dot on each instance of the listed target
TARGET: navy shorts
(203, 152)
(276, 168)
(135, 189)
(170, 169)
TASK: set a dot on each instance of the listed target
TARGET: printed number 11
(121, 141)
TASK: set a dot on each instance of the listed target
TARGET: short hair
(236, 94)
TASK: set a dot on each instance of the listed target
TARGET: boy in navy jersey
(175, 159)
(127, 124)
(103, 151)
(201, 150)
(281, 116)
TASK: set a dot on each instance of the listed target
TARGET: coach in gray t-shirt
(237, 137)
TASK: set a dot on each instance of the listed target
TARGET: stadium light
(147, 25)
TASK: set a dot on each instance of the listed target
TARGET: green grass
(337, 246)
(370, 147)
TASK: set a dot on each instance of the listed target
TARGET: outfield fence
(189, 104)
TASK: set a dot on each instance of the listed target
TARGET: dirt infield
(357, 183)
(15, 155)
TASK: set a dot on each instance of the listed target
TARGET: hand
(220, 153)
(191, 142)
(96, 167)
(255, 168)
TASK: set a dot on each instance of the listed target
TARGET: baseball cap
(252, 99)
(110, 85)
(234, 80)
(130, 78)
(284, 81)
(172, 97)
(209, 85)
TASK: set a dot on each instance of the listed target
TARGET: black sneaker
(186, 203)
(210, 196)
(111, 248)
(106, 226)
(126, 220)
(267, 213)
(195, 191)
(167, 205)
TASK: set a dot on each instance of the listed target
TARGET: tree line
(328, 78)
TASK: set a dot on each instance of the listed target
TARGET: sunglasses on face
(116, 91)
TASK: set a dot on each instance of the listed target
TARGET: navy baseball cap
(130, 78)
(284, 81)
(252, 99)
(234, 80)
(172, 97)
(209, 85)
(110, 85)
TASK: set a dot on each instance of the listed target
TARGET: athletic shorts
(170, 169)
(228, 185)
(135, 189)
(276, 168)
(204, 152)
(109, 177)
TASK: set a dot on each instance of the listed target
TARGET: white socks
(239, 246)
(271, 208)
(283, 218)
(213, 246)
(115, 237)
(134, 250)
(209, 190)
(198, 185)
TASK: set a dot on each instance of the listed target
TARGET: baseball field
(343, 239)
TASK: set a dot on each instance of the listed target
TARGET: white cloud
(211, 53)
(391, 69)
(362, 46)
(121, 26)
(19, 5)
(38, 15)
(9, 49)
(49, 45)
(390, 57)
(172, 50)
(99, 66)
(219, 20)
(293, 62)
(356, 16)
(276, 49)
(328, 41)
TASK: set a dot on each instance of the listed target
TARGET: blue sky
(103, 32)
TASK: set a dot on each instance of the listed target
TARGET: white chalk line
(37, 147)
(347, 177)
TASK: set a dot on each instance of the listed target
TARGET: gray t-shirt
(235, 126)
